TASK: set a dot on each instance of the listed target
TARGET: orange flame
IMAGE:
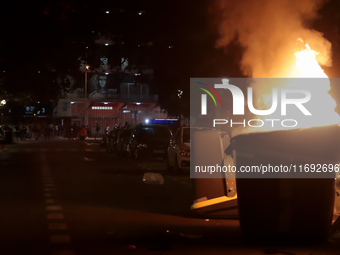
(306, 66)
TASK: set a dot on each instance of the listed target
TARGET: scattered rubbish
(191, 236)
(131, 248)
(153, 178)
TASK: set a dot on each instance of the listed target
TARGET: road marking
(50, 189)
(57, 226)
(88, 149)
(53, 208)
(53, 226)
(55, 216)
(63, 252)
(183, 182)
(60, 239)
(102, 150)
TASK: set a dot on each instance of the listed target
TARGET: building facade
(107, 101)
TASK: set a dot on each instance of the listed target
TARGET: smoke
(269, 32)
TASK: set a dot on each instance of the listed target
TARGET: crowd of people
(39, 131)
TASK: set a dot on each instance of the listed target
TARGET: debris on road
(131, 248)
(153, 178)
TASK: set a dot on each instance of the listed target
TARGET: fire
(307, 64)
(305, 73)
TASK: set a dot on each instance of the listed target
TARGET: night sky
(43, 40)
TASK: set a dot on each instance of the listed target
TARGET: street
(70, 197)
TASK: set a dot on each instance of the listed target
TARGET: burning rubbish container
(296, 199)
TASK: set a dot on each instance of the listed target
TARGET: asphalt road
(68, 197)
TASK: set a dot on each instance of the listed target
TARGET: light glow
(305, 66)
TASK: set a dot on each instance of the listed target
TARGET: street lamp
(86, 112)
(2, 103)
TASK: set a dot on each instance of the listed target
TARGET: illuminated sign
(102, 108)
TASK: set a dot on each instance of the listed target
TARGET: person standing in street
(82, 133)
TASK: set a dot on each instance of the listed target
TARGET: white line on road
(60, 239)
(54, 226)
(53, 208)
(48, 182)
(55, 216)
(50, 189)
(63, 252)
(57, 226)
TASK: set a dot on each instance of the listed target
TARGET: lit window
(107, 12)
